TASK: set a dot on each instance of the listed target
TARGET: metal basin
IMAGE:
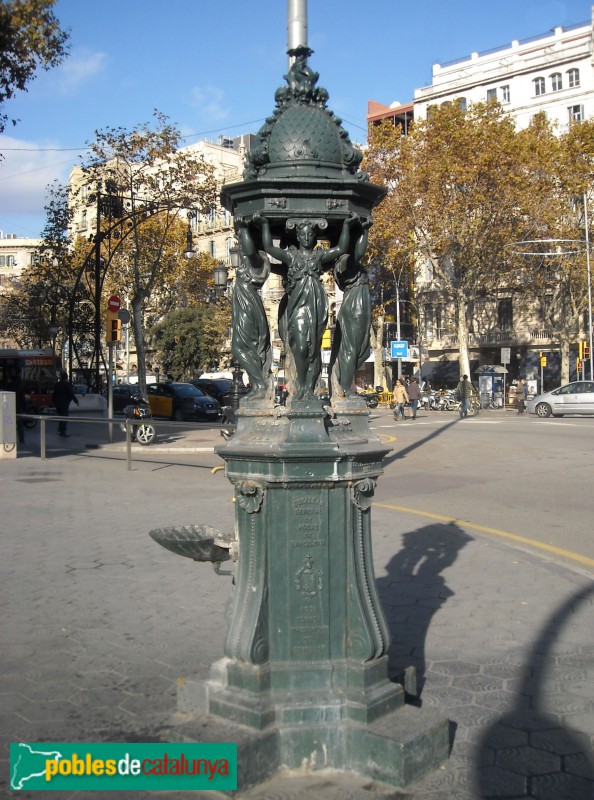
(199, 542)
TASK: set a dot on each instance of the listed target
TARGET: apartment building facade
(212, 232)
(16, 254)
(554, 73)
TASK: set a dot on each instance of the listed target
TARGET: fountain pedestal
(305, 664)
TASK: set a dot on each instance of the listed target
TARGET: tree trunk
(138, 326)
(564, 359)
(463, 359)
(377, 336)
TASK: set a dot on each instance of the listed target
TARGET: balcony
(218, 223)
(444, 340)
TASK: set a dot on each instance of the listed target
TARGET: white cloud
(25, 172)
(81, 66)
(209, 100)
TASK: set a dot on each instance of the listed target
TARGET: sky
(213, 68)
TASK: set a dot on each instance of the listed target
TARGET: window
(556, 82)
(491, 95)
(7, 261)
(505, 95)
(428, 313)
(212, 248)
(573, 78)
(462, 103)
(547, 310)
(576, 113)
(438, 315)
(505, 314)
(539, 86)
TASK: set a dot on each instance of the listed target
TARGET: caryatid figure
(306, 312)
(250, 343)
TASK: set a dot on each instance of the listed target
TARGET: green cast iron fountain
(304, 673)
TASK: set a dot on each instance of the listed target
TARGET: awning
(491, 369)
(443, 373)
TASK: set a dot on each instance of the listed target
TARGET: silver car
(574, 398)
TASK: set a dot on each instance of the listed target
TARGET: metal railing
(129, 424)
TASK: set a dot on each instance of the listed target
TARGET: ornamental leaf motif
(250, 496)
(363, 493)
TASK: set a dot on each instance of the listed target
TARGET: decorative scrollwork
(250, 496)
(363, 492)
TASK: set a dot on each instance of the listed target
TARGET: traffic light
(113, 328)
(586, 352)
(543, 359)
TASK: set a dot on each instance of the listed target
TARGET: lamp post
(52, 330)
(189, 250)
(589, 273)
(397, 301)
(53, 296)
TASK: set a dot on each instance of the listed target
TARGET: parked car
(215, 387)
(182, 401)
(88, 401)
(573, 398)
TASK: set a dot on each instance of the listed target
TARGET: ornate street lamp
(189, 249)
(221, 277)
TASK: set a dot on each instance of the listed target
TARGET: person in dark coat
(63, 395)
(414, 395)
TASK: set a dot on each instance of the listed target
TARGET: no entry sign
(113, 303)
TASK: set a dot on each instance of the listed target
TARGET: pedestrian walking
(464, 394)
(414, 395)
(400, 396)
(521, 395)
(63, 395)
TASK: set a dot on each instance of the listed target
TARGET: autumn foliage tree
(456, 189)
(30, 38)
(152, 183)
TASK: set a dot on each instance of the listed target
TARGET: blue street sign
(399, 349)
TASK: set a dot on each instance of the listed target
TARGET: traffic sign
(399, 349)
(113, 303)
(124, 316)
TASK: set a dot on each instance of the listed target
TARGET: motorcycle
(139, 411)
(372, 397)
(229, 419)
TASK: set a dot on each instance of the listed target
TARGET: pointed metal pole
(589, 287)
(296, 24)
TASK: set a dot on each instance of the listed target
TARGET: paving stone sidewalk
(98, 622)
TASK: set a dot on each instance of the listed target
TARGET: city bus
(31, 371)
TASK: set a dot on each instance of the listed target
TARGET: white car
(573, 398)
(88, 401)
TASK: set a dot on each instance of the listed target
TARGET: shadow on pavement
(530, 752)
(414, 590)
(433, 435)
